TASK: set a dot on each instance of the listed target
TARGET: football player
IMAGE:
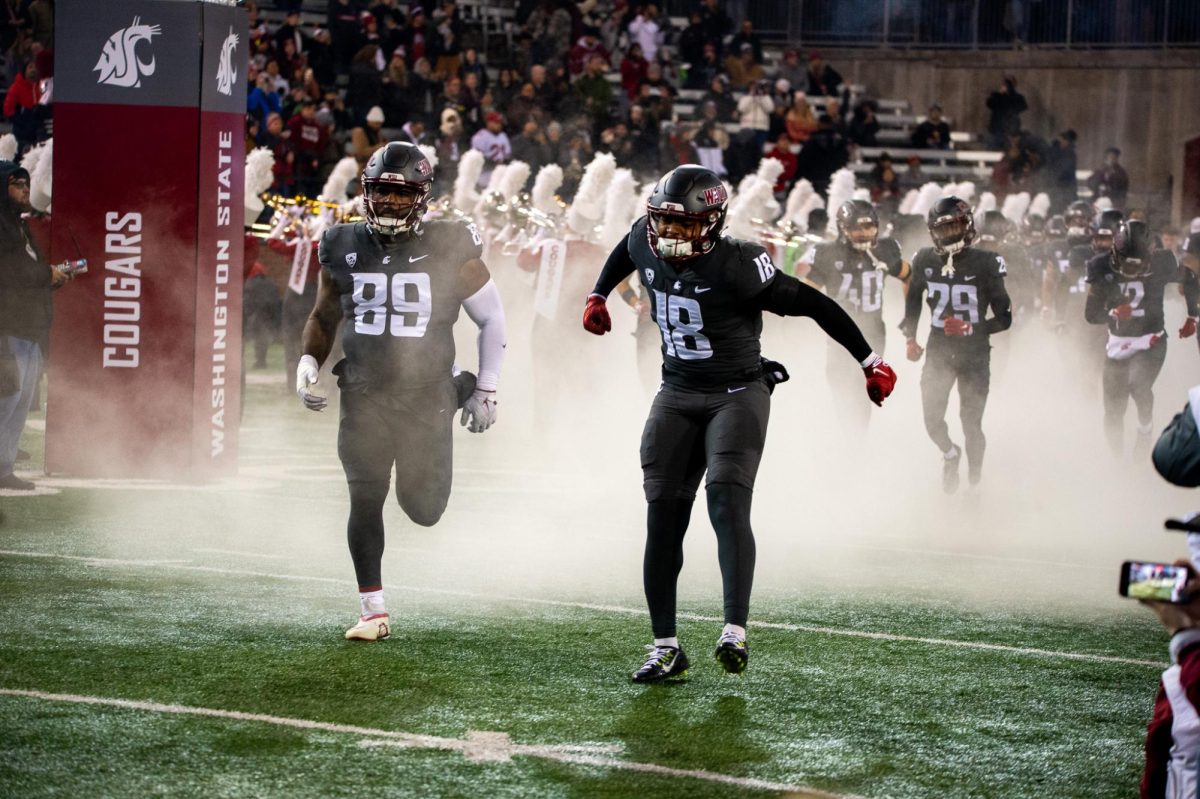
(851, 269)
(707, 295)
(1125, 292)
(1063, 285)
(399, 284)
(960, 283)
(996, 235)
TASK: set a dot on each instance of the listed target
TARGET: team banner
(145, 349)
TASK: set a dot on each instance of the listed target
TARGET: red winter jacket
(1173, 735)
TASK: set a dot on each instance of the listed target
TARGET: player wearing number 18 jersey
(399, 284)
(707, 294)
(852, 270)
(960, 283)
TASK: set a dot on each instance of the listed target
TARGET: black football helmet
(1131, 248)
(1104, 228)
(951, 225)
(396, 172)
(1033, 228)
(1056, 227)
(858, 224)
(995, 227)
(1078, 217)
(690, 198)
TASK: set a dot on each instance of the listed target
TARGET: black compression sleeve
(787, 296)
(618, 267)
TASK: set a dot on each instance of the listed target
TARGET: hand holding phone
(1159, 582)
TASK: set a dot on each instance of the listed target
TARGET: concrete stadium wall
(1147, 103)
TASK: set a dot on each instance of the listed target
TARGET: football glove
(880, 380)
(306, 377)
(953, 326)
(1122, 312)
(1189, 328)
(595, 315)
(479, 411)
(774, 373)
(912, 350)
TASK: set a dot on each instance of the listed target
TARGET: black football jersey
(1022, 282)
(1192, 245)
(976, 285)
(399, 301)
(853, 277)
(1144, 293)
(704, 309)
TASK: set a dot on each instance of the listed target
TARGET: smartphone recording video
(1159, 581)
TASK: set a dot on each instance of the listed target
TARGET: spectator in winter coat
(823, 80)
(1006, 105)
(1111, 180)
(493, 142)
(633, 70)
(645, 31)
(933, 133)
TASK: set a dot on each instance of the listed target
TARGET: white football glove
(479, 411)
(306, 377)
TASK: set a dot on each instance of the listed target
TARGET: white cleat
(370, 628)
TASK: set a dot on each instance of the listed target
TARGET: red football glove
(1123, 311)
(595, 315)
(912, 350)
(1189, 328)
(880, 381)
(953, 326)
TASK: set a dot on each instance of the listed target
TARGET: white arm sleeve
(487, 312)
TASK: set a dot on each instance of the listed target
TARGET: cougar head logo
(226, 72)
(118, 64)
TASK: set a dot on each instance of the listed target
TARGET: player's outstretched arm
(1000, 303)
(317, 340)
(1096, 308)
(618, 267)
(481, 301)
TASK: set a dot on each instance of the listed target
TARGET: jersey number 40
(403, 311)
(680, 322)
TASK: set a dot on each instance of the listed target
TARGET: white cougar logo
(118, 64)
(226, 74)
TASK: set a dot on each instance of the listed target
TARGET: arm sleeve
(618, 267)
(1000, 303)
(787, 296)
(486, 311)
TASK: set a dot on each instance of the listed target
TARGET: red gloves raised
(912, 350)
(880, 381)
(1123, 311)
(595, 315)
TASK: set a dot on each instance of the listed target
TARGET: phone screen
(1160, 581)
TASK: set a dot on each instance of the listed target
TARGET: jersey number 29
(961, 297)
(680, 322)
(410, 298)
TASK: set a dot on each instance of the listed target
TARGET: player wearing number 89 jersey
(1125, 291)
(960, 283)
(398, 286)
(852, 270)
(707, 294)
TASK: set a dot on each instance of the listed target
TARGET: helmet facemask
(394, 206)
(951, 234)
(861, 234)
(676, 235)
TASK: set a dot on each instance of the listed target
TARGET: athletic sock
(673, 641)
(740, 632)
(370, 603)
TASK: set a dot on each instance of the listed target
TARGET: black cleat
(732, 653)
(464, 384)
(950, 470)
(664, 663)
(13, 483)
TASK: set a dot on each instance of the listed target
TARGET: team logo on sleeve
(839, 265)
(715, 196)
(649, 275)
(351, 259)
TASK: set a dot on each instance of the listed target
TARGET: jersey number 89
(411, 304)
(680, 322)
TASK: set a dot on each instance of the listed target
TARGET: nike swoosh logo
(702, 290)
(419, 257)
(735, 390)
(969, 277)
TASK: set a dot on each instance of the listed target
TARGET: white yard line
(477, 746)
(803, 628)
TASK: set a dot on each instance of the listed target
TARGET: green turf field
(186, 641)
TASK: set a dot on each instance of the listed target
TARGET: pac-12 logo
(226, 72)
(119, 64)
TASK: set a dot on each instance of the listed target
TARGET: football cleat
(732, 653)
(664, 663)
(370, 628)
(950, 470)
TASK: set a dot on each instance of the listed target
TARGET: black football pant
(688, 432)
(412, 431)
(969, 365)
(1131, 377)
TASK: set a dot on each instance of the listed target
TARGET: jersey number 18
(680, 322)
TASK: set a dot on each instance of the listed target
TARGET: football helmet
(1131, 247)
(1078, 217)
(858, 224)
(1104, 228)
(951, 225)
(1056, 227)
(689, 202)
(396, 183)
(1033, 228)
(995, 227)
